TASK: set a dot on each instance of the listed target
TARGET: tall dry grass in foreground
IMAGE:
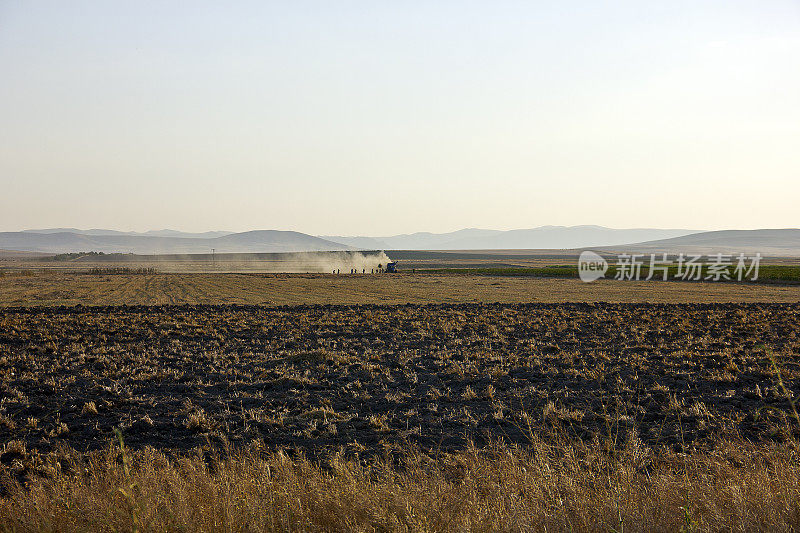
(552, 487)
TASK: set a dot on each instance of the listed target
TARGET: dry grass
(568, 486)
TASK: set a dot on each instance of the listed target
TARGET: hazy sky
(382, 117)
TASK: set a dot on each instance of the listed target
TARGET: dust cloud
(342, 262)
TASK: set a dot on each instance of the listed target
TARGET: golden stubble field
(53, 288)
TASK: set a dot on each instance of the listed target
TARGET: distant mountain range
(65, 240)
(246, 242)
(151, 233)
(544, 237)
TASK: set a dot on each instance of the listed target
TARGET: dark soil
(369, 379)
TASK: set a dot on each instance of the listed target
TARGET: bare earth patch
(377, 378)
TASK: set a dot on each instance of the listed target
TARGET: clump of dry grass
(563, 486)
(89, 408)
(198, 421)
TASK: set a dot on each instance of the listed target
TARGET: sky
(385, 117)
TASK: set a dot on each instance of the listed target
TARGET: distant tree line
(75, 255)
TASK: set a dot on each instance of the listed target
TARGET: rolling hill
(775, 242)
(246, 242)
